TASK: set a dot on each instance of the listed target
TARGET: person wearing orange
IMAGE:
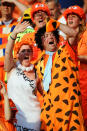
(21, 6)
(55, 13)
(82, 55)
(61, 109)
(5, 110)
(6, 25)
(39, 14)
(75, 17)
(22, 81)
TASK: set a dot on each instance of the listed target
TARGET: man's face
(49, 41)
(53, 10)
(40, 19)
(6, 8)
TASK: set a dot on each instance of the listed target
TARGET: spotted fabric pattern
(61, 109)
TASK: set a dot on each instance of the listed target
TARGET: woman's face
(25, 55)
(73, 21)
(49, 41)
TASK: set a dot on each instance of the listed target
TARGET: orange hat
(75, 9)
(23, 41)
(39, 6)
(52, 25)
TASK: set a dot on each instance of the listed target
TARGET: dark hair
(8, 4)
(40, 33)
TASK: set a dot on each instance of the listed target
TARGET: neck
(6, 18)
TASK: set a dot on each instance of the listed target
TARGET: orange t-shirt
(82, 50)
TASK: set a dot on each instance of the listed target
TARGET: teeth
(26, 57)
(40, 21)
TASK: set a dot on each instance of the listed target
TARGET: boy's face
(73, 20)
(49, 41)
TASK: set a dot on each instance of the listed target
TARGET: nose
(6, 6)
(70, 17)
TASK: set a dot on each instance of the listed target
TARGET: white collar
(23, 68)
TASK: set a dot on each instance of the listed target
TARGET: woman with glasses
(22, 82)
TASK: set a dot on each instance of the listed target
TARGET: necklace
(23, 68)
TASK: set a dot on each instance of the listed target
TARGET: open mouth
(70, 22)
(26, 58)
(51, 42)
(40, 21)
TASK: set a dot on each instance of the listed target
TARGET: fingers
(20, 27)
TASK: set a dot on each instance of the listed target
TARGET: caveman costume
(61, 109)
(82, 50)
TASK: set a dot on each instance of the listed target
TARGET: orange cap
(39, 6)
(75, 9)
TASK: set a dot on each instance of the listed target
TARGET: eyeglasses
(38, 14)
(26, 51)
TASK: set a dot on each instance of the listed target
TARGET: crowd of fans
(43, 65)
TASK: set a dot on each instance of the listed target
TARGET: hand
(2, 89)
(20, 27)
(39, 85)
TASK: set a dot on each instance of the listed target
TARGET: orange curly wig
(24, 41)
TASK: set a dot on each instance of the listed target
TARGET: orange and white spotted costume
(61, 109)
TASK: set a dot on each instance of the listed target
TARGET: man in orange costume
(61, 109)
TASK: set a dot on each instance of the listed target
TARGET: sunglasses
(7, 4)
(26, 51)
